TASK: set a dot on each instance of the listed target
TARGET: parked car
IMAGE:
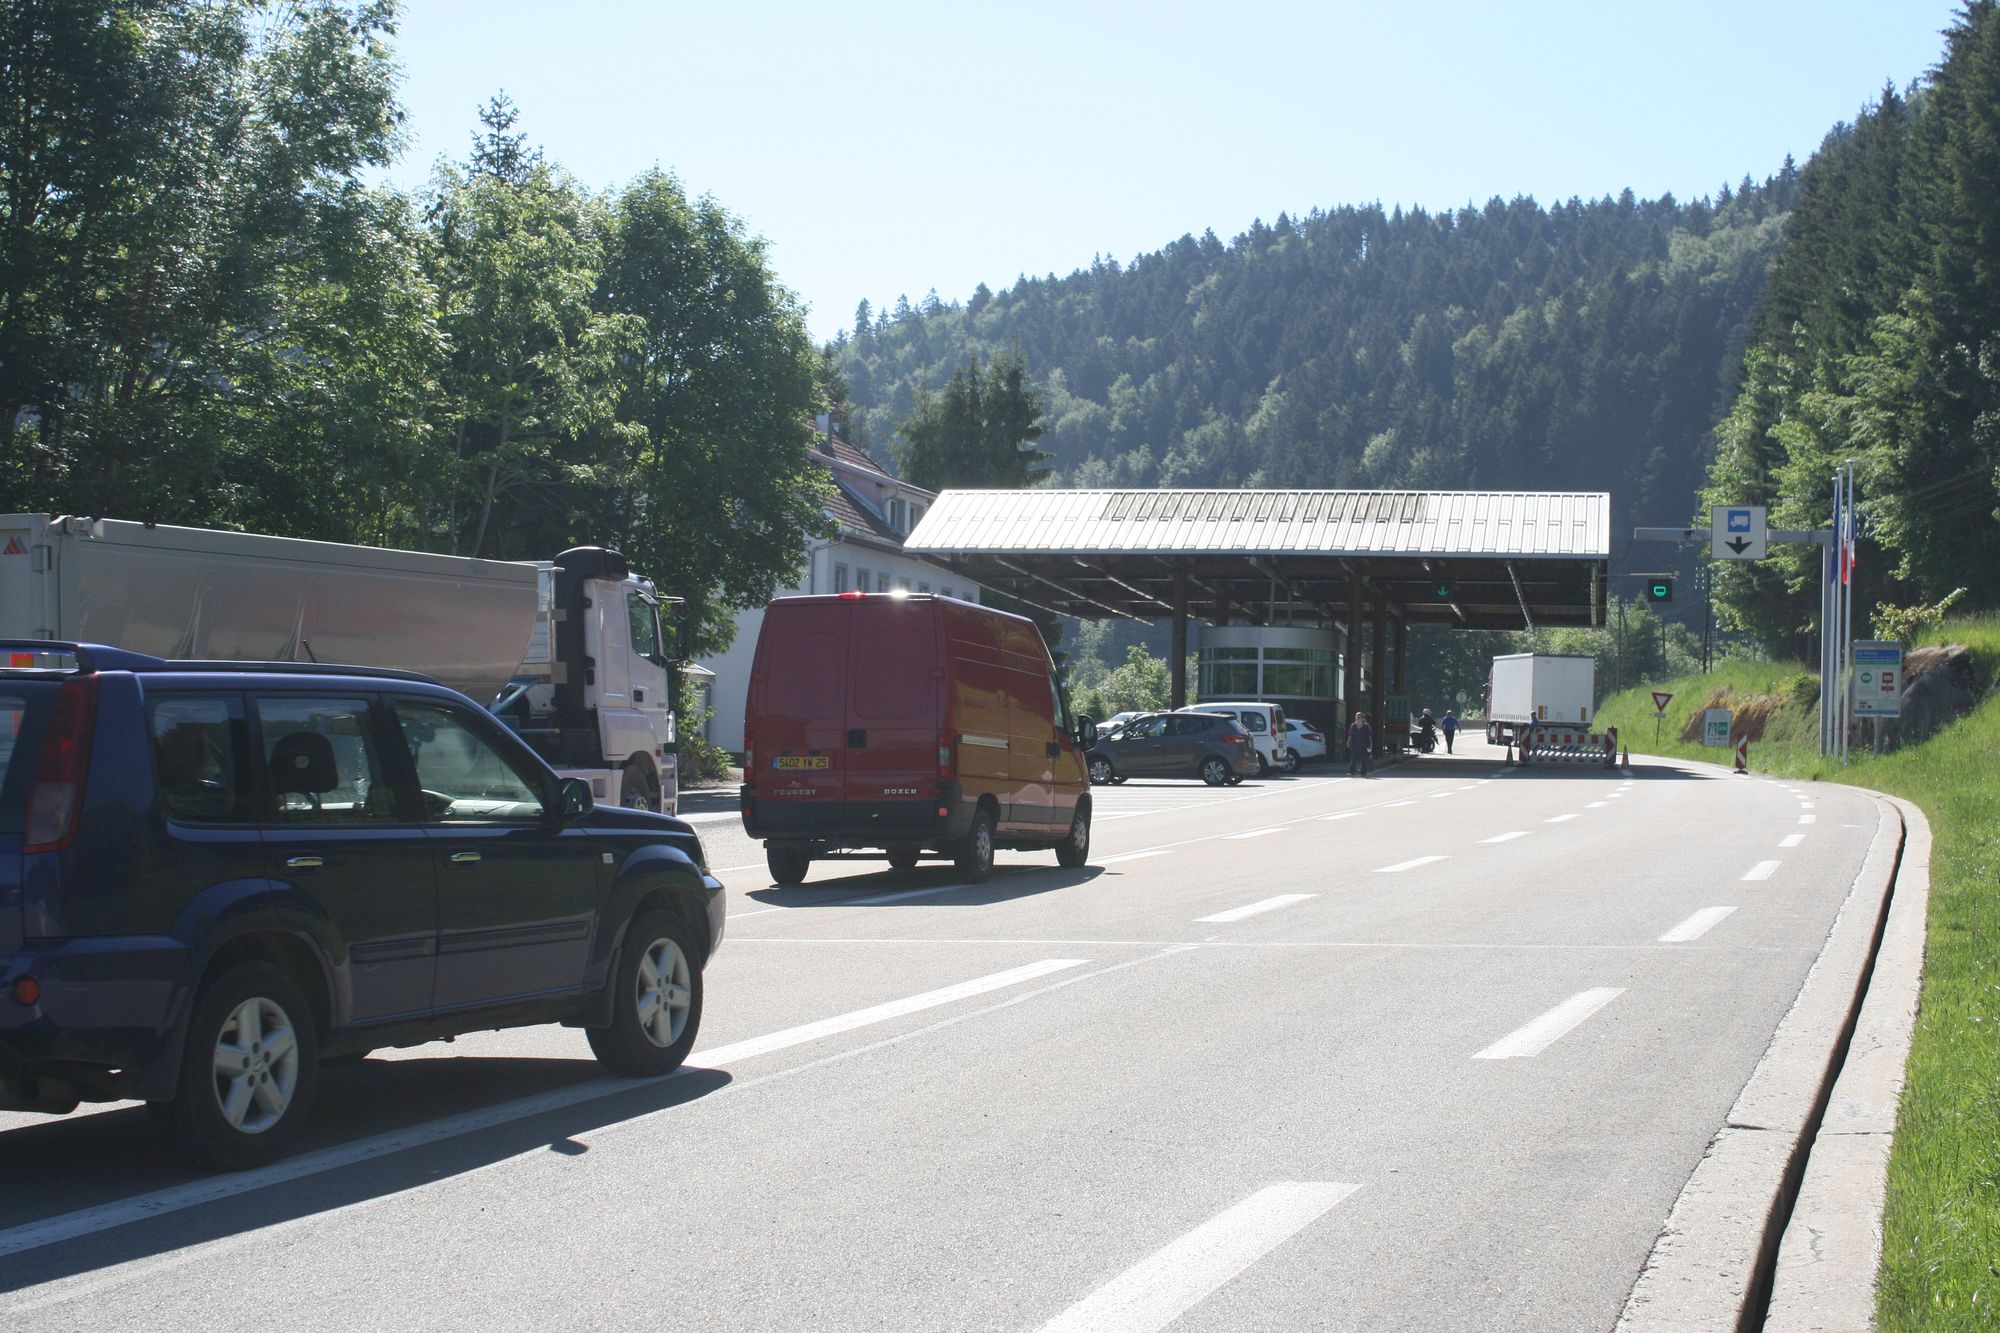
(214, 875)
(1265, 722)
(1208, 746)
(1116, 722)
(1302, 742)
(900, 726)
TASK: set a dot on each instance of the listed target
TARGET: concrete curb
(1832, 1248)
(1709, 1267)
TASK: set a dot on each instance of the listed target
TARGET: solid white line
(1791, 840)
(1504, 837)
(1267, 905)
(710, 817)
(1557, 819)
(754, 865)
(1407, 865)
(1696, 926)
(1808, 819)
(1393, 804)
(738, 916)
(1527, 1042)
(1129, 856)
(1173, 1280)
(121, 1212)
(1437, 794)
(901, 895)
(1762, 870)
(880, 1013)
(1344, 814)
(1255, 832)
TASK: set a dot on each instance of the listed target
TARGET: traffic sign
(1715, 726)
(1878, 678)
(1660, 698)
(1737, 532)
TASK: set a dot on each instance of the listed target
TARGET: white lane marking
(1267, 905)
(1596, 805)
(881, 1013)
(1762, 870)
(1393, 804)
(1437, 794)
(1527, 1042)
(1808, 819)
(1470, 786)
(1613, 796)
(1174, 1279)
(903, 895)
(738, 916)
(1696, 926)
(1129, 856)
(710, 817)
(1255, 832)
(1791, 840)
(1344, 814)
(121, 1212)
(1504, 837)
(1805, 805)
(1407, 865)
(1557, 819)
(753, 865)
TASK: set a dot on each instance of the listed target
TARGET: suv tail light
(56, 799)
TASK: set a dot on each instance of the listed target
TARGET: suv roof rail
(288, 669)
(89, 656)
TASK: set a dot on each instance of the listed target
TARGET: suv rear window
(24, 709)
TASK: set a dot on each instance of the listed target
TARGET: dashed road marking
(1558, 819)
(1791, 840)
(1504, 837)
(1696, 926)
(1762, 870)
(1401, 866)
(1526, 1042)
(1257, 908)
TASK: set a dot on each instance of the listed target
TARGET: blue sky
(886, 149)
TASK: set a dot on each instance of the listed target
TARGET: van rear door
(895, 710)
(798, 714)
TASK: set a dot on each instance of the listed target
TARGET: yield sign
(1660, 698)
(1737, 532)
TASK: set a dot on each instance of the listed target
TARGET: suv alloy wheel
(248, 1072)
(656, 1001)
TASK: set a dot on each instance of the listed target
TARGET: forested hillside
(1593, 345)
(1879, 344)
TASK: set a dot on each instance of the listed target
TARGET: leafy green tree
(978, 432)
(718, 496)
(1142, 683)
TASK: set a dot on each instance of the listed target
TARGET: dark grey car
(1176, 745)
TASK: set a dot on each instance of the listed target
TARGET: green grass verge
(1941, 1230)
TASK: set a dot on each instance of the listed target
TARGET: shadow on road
(56, 1168)
(929, 886)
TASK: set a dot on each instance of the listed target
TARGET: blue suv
(216, 875)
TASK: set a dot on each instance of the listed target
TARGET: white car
(1303, 741)
(1264, 721)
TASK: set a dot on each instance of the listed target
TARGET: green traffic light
(1442, 591)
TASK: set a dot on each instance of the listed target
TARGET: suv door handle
(303, 863)
(464, 858)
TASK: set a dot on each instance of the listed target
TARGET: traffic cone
(1625, 757)
(1743, 755)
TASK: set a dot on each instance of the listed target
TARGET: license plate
(799, 761)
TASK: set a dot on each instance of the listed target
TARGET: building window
(881, 583)
(861, 579)
(944, 592)
(916, 515)
(903, 583)
(923, 587)
(840, 578)
(896, 515)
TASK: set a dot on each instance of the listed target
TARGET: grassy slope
(1941, 1247)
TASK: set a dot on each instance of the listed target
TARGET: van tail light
(56, 800)
(947, 755)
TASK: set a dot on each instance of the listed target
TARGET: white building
(875, 512)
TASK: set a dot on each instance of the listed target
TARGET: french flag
(1847, 544)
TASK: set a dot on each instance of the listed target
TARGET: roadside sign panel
(1715, 727)
(1878, 678)
(1660, 698)
(1737, 532)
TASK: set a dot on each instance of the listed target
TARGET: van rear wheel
(788, 865)
(975, 855)
(1074, 850)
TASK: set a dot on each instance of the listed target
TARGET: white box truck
(1540, 690)
(569, 652)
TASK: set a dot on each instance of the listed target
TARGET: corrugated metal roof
(1514, 524)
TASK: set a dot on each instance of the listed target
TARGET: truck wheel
(638, 789)
(975, 854)
(1215, 770)
(1101, 771)
(788, 865)
(656, 1001)
(248, 1072)
(1074, 850)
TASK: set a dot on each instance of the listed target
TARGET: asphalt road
(1432, 1050)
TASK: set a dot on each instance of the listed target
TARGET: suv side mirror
(576, 799)
(1086, 732)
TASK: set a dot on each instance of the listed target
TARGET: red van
(899, 726)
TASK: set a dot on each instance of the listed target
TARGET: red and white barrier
(1571, 745)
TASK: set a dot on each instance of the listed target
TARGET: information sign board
(1715, 727)
(1878, 678)
(1737, 532)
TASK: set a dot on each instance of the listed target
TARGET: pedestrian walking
(1360, 744)
(1450, 725)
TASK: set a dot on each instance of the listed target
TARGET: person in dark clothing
(1360, 744)
(1450, 725)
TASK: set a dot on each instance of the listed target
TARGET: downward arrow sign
(1737, 544)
